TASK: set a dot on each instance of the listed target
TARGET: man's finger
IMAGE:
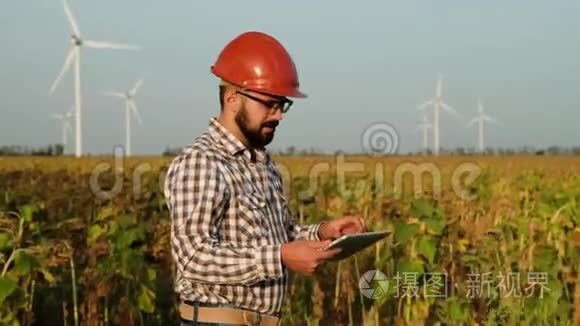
(351, 229)
(335, 234)
(323, 255)
(359, 223)
(318, 244)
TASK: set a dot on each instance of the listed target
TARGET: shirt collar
(233, 145)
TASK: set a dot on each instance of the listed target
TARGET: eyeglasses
(284, 104)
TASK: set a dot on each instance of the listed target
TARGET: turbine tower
(438, 104)
(424, 127)
(66, 126)
(481, 118)
(130, 106)
(74, 55)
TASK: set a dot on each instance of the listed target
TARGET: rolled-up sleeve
(297, 231)
(195, 190)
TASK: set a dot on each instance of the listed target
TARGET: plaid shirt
(229, 220)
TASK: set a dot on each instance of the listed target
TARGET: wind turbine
(65, 119)
(438, 104)
(130, 106)
(480, 119)
(74, 54)
(424, 127)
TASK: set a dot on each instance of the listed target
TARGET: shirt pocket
(252, 214)
(280, 198)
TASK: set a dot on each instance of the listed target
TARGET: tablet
(353, 243)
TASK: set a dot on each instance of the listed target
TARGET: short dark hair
(222, 91)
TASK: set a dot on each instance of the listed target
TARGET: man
(233, 238)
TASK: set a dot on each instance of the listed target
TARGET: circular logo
(373, 284)
(380, 139)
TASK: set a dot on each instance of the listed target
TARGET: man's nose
(277, 115)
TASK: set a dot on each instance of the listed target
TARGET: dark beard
(255, 137)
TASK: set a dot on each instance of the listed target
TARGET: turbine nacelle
(75, 40)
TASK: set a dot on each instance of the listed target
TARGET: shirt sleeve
(195, 190)
(296, 231)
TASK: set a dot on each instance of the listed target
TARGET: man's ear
(231, 99)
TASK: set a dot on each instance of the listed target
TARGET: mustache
(270, 124)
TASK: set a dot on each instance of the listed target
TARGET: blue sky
(359, 62)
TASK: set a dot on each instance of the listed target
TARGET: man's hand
(304, 256)
(341, 226)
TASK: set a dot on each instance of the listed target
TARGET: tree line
(58, 150)
(17, 150)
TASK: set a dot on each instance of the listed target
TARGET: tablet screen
(352, 243)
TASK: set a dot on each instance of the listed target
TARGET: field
(477, 241)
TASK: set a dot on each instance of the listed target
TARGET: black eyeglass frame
(284, 104)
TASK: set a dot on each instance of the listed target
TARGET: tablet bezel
(337, 242)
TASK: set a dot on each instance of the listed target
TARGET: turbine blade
(480, 106)
(68, 61)
(490, 119)
(114, 94)
(133, 108)
(57, 116)
(71, 19)
(110, 45)
(426, 104)
(474, 120)
(137, 86)
(449, 109)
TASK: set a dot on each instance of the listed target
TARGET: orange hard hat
(258, 62)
